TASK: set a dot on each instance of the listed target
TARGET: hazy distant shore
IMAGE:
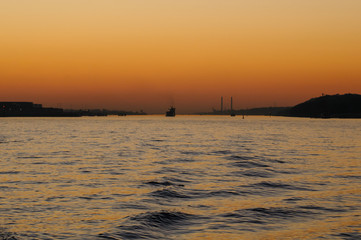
(325, 106)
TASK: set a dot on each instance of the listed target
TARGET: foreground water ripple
(189, 177)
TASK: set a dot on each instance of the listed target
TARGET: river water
(188, 177)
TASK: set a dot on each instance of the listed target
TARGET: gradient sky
(148, 54)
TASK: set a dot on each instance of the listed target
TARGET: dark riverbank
(264, 111)
(327, 106)
(29, 109)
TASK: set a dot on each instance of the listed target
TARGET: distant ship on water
(170, 112)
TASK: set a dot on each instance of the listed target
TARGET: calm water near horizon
(188, 177)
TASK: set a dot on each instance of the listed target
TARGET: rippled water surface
(188, 177)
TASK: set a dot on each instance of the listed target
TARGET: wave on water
(10, 172)
(265, 216)
(4, 139)
(257, 173)
(151, 225)
(222, 152)
(249, 164)
(162, 219)
(163, 183)
(348, 236)
(192, 178)
(277, 215)
(167, 193)
(278, 185)
(6, 235)
(174, 190)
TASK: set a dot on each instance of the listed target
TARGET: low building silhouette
(29, 109)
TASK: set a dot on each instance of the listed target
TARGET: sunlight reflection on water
(187, 177)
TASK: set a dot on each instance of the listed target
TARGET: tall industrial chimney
(231, 103)
(221, 104)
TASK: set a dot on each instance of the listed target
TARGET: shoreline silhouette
(326, 106)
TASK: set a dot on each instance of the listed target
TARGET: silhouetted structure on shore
(328, 106)
(233, 114)
(105, 112)
(265, 111)
(221, 104)
(29, 109)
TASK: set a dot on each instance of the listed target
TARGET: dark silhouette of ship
(170, 112)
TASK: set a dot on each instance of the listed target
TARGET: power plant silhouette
(231, 112)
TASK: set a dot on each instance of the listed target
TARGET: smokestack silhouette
(221, 104)
(231, 103)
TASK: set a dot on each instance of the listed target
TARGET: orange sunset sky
(149, 54)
